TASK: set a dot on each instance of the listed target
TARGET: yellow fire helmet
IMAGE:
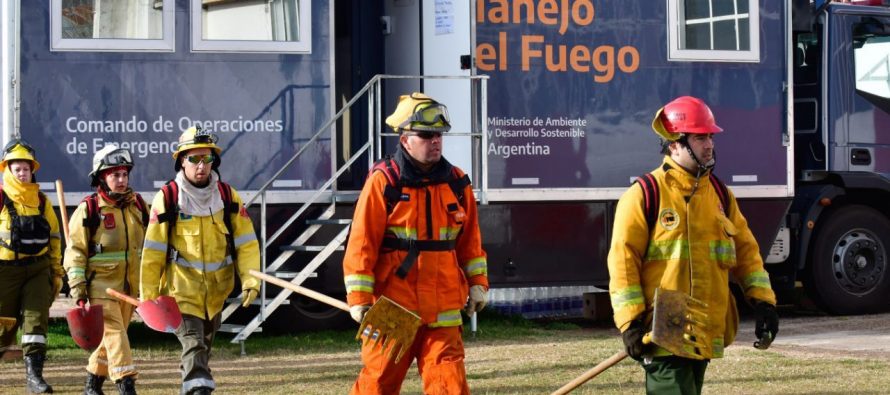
(196, 137)
(419, 112)
(19, 150)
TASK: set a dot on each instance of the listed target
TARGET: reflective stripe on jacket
(437, 284)
(54, 248)
(203, 275)
(120, 234)
(693, 248)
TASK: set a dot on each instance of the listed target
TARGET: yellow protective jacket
(203, 274)
(436, 286)
(116, 263)
(53, 250)
(693, 248)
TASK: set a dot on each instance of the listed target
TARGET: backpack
(92, 219)
(32, 228)
(652, 196)
(393, 190)
(171, 212)
(393, 194)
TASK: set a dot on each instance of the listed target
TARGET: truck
(551, 102)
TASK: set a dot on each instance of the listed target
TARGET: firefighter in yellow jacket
(422, 249)
(695, 245)
(196, 250)
(30, 259)
(104, 246)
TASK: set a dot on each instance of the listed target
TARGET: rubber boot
(93, 385)
(34, 374)
(126, 386)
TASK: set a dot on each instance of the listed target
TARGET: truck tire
(848, 263)
(304, 314)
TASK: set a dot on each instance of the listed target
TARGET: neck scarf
(198, 201)
(413, 177)
(122, 199)
(21, 192)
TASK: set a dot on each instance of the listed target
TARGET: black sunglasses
(12, 143)
(426, 135)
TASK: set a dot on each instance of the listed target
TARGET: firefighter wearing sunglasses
(103, 249)
(415, 239)
(198, 237)
(30, 259)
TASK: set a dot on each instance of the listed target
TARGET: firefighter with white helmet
(198, 237)
(106, 233)
(681, 229)
(415, 239)
(30, 259)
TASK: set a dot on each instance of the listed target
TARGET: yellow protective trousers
(113, 357)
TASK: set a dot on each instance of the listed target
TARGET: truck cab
(841, 77)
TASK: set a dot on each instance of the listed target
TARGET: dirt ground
(853, 337)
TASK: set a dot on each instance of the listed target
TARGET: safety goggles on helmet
(201, 137)
(432, 117)
(13, 143)
(118, 157)
(205, 159)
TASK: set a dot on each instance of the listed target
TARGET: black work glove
(767, 320)
(633, 339)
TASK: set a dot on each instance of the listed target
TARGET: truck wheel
(849, 262)
(305, 315)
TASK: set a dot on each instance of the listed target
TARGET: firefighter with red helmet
(415, 239)
(680, 229)
(103, 250)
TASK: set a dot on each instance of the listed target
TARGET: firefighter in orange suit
(694, 245)
(415, 241)
(103, 251)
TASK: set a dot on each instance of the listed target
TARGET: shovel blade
(86, 326)
(7, 322)
(679, 324)
(161, 314)
(392, 323)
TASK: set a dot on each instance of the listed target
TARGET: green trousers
(196, 336)
(26, 294)
(675, 376)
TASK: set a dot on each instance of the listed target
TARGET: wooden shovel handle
(593, 372)
(300, 290)
(63, 210)
(126, 298)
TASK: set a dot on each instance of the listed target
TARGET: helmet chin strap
(702, 167)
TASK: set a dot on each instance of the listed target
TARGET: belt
(414, 247)
(20, 262)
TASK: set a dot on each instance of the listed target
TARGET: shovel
(387, 323)
(7, 322)
(161, 314)
(86, 325)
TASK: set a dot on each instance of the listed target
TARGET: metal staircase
(328, 195)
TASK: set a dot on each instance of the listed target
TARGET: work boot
(34, 374)
(201, 391)
(126, 385)
(93, 385)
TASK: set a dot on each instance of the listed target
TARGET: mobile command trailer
(801, 90)
(571, 89)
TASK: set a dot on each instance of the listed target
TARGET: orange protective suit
(435, 286)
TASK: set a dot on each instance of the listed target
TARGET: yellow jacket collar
(678, 177)
(25, 193)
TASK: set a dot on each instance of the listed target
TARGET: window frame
(165, 44)
(303, 46)
(676, 33)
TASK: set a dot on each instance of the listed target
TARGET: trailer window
(713, 30)
(112, 25)
(251, 26)
(872, 64)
